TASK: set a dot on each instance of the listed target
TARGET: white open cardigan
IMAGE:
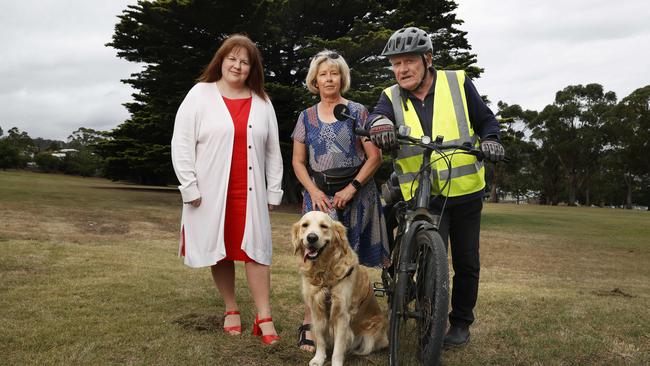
(202, 146)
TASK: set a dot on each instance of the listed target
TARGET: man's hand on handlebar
(382, 133)
(493, 150)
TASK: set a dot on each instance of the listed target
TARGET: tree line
(19, 151)
(584, 148)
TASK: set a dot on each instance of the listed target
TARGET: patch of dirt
(200, 322)
(617, 292)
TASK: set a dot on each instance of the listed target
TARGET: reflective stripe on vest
(450, 120)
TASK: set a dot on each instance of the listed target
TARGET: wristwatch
(356, 184)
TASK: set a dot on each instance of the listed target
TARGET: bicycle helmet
(408, 40)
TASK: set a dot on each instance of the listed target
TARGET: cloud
(56, 73)
(530, 50)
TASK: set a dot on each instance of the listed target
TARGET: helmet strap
(424, 76)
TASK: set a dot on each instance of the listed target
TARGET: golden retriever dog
(345, 313)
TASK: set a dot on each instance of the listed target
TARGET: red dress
(237, 185)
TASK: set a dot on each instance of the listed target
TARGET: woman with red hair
(226, 154)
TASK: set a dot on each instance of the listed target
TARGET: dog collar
(349, 272)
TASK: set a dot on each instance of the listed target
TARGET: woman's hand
(320, 201)
(195, 203)
(342, 197)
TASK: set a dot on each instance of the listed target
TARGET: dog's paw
(317, 361)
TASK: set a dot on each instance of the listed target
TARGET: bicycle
(418, 286)
(417, 283)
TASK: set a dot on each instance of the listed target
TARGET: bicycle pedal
(379, 289)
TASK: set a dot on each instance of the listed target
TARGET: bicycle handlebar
(361, 132)
(427, 143)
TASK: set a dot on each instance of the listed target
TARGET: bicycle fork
(406, 263)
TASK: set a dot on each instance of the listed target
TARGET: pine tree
(175, 39)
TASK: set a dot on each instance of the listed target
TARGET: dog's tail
(372, 339)
(381, 339)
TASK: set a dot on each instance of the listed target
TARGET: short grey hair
(326, 56)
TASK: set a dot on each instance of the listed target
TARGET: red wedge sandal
(257, 331)
(234, 330)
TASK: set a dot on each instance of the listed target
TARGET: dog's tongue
(307, 252)
(304, 258)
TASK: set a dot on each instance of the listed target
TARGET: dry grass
(89, 275)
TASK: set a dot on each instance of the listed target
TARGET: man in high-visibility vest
(440, 103)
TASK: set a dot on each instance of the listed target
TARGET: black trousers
(461, 224)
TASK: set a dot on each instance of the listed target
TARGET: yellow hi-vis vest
(450, 119)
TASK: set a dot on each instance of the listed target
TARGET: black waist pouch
(333, 180)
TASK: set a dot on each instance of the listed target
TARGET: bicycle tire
(419, 307)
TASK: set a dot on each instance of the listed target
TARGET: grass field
(89, 275)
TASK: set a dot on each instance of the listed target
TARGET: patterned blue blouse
(334, 145)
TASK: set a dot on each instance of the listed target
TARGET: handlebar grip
(361, 132)
(479, 155)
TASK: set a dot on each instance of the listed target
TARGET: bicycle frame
(415, 219)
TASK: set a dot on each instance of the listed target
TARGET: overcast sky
(532, 49)
(56, 75)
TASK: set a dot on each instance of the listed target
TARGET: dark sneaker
(457, 336)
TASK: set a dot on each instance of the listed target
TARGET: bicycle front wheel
(420, 304)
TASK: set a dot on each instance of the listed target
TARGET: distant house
(63, 152)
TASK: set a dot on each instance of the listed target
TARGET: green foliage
(20, 140)
(176, 39)
(83, 163)
(9, 156)
(81, 160)
(16, 149)
(84, 138)
(42, 144)
(571, 131)
(583, 148)
(518, 176)
(628, 130)
(47, 163)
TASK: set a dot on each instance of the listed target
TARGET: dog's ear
(295, 237)
(341, 235)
